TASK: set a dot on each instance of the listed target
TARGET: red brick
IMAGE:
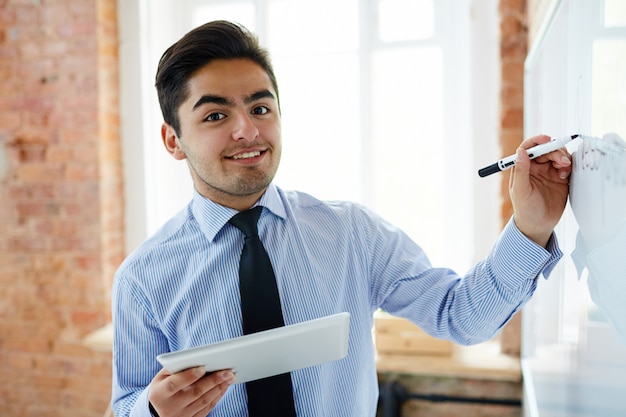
(512, 118)
(31, 191)
(81, 171)
(27, 15)
(511, 96)
(26, 244)
(40, 172)
(511, 25)
(10, 120)
(7, 14)
(59, 153)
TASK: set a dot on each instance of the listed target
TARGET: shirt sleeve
(136, 343)
(465, 309)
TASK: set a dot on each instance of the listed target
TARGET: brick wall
(62, 211)
(519, 22)
(513, 49)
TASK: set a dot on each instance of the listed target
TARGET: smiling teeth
(247, 155)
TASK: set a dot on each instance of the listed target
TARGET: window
(376, 105)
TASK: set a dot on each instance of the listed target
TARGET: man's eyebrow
(259, 95)
(208, 98)
(223, 101)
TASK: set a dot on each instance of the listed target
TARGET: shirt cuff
(555, 255)
(516, 258)
(142, 407)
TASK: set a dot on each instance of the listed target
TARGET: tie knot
(246, 221)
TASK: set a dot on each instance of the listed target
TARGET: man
(220, 103)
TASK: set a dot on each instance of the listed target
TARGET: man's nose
(244, 127)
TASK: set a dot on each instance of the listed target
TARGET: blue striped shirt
(180, 290)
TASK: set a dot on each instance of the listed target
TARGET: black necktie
(260, 310)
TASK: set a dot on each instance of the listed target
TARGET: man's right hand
(189, 393)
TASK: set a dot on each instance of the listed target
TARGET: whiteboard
(574, 349)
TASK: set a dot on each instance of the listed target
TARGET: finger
(560, 158)
(210, 381)
(181, 380)
(522, 162)
(208, 391)
(534, 141)
(517, 186)
(166, 389)
(564, 173)
(564, 166)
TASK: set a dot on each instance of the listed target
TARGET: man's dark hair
(214, 40)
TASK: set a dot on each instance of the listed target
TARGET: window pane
(614, 13)
(407, 121)
(299, 27)
(608, 102)
(401, 20)
(240, 12)
(321, 139)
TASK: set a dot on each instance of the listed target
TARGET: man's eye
(214, 117)
(261, 110)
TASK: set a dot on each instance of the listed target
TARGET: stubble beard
(242, 184)
(223, 184)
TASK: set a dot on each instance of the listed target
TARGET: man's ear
(171, 142)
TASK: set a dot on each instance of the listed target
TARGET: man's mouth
(247, 155)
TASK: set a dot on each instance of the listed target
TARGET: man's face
(230, 132)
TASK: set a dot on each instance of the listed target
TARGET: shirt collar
(212, 216)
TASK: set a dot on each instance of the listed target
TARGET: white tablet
(270, 352)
